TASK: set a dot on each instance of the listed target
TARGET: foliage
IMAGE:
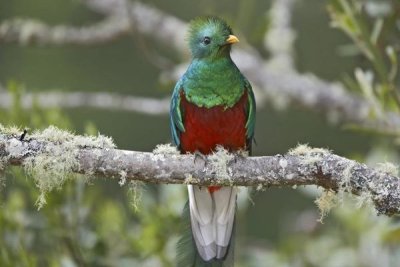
(373, 28)
(81, 225)
(85, 225)
(353, 234)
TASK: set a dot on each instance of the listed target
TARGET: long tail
(208, 233)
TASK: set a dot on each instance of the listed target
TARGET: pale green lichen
(388, 168)
(166, 149)
(219, 161)
(122, 179)
(162, 150)
(330, 199)
(346, 176)
(41, 200)
(56, 135)
(305, 149)
(325, 202)
(11, 130)
(309, 154)
(4, 132)
(135, 192)
(344, 186)
(364, 200)
(189, 179)
(57, 158)
(260, 187)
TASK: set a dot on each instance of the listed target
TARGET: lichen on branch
(52, 156)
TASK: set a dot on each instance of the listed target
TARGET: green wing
(251, 115)
(175, 114)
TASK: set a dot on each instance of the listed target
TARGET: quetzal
(212, 105)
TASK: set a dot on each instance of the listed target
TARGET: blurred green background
(95, 225)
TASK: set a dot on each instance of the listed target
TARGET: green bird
(212, 105)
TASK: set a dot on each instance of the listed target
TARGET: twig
(280, 88)
(279, 39)
(99, 100)
(30, 31)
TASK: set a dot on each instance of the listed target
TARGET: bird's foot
(200, 158)
(23, 135)
(21, 138)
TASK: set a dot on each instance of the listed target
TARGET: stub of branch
(45, 155)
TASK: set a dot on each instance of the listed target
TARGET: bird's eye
(206, 40)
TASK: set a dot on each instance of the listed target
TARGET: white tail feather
(212, 217)
(201, 204)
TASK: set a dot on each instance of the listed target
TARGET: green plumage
(212, 84)
(212, 80)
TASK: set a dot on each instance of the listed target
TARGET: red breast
(206, 128)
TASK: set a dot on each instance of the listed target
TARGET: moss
(122, 179)
(4, 132)
(189, 179)
(364, 200)
(41, 200)
(325, 202)
(135, 192)
(12, 130)
(162, 150)
(260, 187)
(388, 168)
(166, 149)
(309, 154)
(219, 163)
(304, 149)
(56, 158)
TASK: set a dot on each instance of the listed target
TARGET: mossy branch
(53, 155)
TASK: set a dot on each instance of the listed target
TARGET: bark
(300, 166)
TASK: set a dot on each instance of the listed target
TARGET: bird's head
(210, 37)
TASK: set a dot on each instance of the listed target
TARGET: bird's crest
(207, 34)
(208, 22)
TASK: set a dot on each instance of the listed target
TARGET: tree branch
(279, 39)
(30, 31)
(281, 88)
(55, 153)
(99, 100)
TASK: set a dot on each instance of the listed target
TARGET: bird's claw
(198, 156)
(21, 138)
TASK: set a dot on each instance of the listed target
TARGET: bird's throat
(213, 83)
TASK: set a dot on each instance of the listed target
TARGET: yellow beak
(232, 39)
